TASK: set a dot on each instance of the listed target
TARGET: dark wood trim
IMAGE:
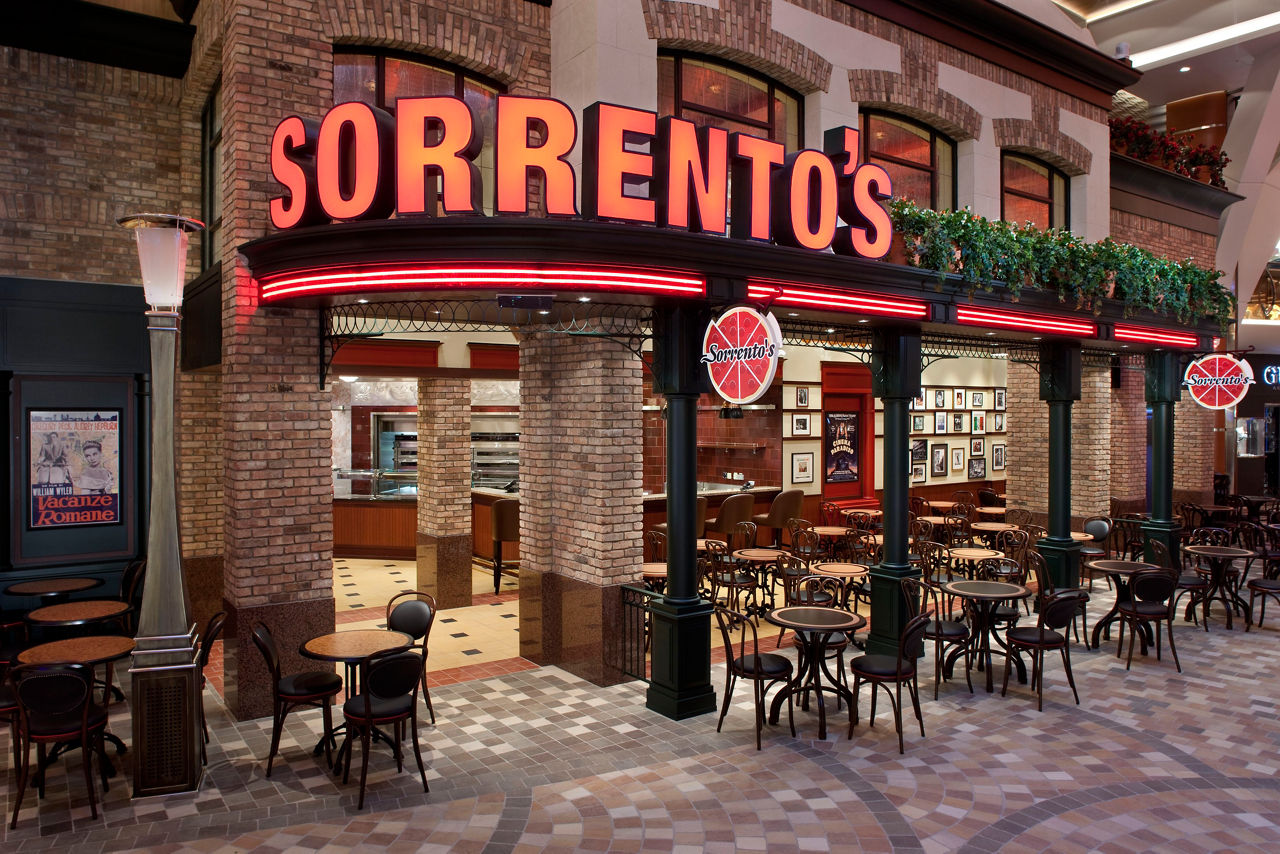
(490, 357)
(1010, 39)
(90, 32)
(201, 339)
(1163, 211)
(375, 358)
(1136, 178)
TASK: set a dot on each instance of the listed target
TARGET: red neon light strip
(1155, 336)
(315, 282)
(838, 300)
(1017, 320)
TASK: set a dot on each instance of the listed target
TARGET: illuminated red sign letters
(361, 163)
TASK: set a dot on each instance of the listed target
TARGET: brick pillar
(444, 490)
(1027, 466)
(198, 451)
(1192, 452)
(1129, 444)
(278, 483)
(1091, 446)
(580, 499)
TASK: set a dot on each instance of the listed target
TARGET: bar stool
(506, 528)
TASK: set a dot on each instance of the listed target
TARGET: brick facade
(1129, 441)
(444, 489)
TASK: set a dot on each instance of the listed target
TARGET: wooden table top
(986, 591)
(653, 570)
(933, 520)
(970, 553)
(870, 511)
(1121, 568)
(52, 586)
(1081, 536)
(992, 527)
(354, 644)
(758, 554)
(840, 570)
(1217, 551)
(810, 618)
(830, 530)
(77, 613)
(944, 506)
(991, 511)
(90, 649)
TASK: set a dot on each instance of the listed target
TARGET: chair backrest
(1250, 535)
(962, 496)
(822, 591)
(806, 544)
(934, 564)
(1206, 536)
(829, 513)
(786, 504)
(1057, 611)
(212, 630)
(266, 644)
(655, 546)
(862, 547)
(1039, 569)
(700, 516)
(390, 674)
(1098, 527)
(736, 508)
(1160, 554)
(794, 526)
(911, 643)
(1153, 585)
(1001, 569)
(958, 530)
(52, 691)
(748, 642)
(412, 612)
(965, 509)
(131, 580)
(920, 530)
(921, 598)
(919, 506)
(858, 519)
(988, 498)
(1013, 543)
(1035, 533)
(1018, 516)
(506, 519)
(742, 536)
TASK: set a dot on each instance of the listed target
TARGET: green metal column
(1060, 387)
(1163, 389)
(896, 381)
(680, 685)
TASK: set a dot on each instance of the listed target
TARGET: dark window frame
(210, 152)
(934, 167)
(774, 88)
(381, 55)
(1054, 175)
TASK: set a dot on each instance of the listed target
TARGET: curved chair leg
(364, 763)
(730, 680)
(277, 724)
(86, 754)
(853, 707)
(327, 713)
(417, 751)
(1066, 665)
(1173, 649)
(24, 768)
(426, 695)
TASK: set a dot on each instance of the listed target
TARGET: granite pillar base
(204, 587)
(444, 569)
(247, 680)
(571, 624)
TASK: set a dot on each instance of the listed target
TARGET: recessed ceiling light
(1035, 338)
(347, 379)
(863, 320)
(991, 333)
(544, 311)
(362, 301)
(831, 330)
(1184, 69)
(584, 299)
(793, 314)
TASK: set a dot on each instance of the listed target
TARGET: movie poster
(841, 440)
(75, 467)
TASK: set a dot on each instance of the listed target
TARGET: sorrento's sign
(740, 349)
(1218, 381)
(360, 163)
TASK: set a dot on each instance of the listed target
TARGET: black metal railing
(636, 625)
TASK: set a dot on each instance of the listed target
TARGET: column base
(166, 698)
(1062, 559)
(1168, 532)
(888, 607)
(571, 624)
(247, 682)
(444, 569)
(681, 660)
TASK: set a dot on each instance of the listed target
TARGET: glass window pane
(354, 78)
(946, 160)
(709, 120)
(724, 90)
(483, 101)
(666, 86)
(1060, 217)
(909, 183)
(786, 121)
(1025, 176)
(900, 140)
(414, 80)
(1020, 209)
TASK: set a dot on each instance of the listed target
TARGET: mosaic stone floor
(1151, 761)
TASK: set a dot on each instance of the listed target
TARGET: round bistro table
(1219, 558)
(1119, 571)
(988, 530)
(984, 596)
(654, 576)
(814, 626)
(53, 588)
(970, 555)
(847, 573)
(995, 512)
(79, 613)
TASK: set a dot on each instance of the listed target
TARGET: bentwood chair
(1045, 589)
(1152, 600)
(414, 613)
(897, 670)
(655, 546)
(925, 599)
(1098, 546)
(55, 706)
(388, 695)
(306, 688)
(1268, 587)
(1018, 516)
(1189, 583)
(1056, 613)
(212, 630)
(743, 660)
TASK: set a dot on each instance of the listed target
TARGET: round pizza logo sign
(1218, 381)
(740, 350)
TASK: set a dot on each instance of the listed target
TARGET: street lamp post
(165, 677)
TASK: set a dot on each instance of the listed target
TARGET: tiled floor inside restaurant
(539, 760)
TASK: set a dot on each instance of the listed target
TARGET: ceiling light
(1184, 69)
(362, 301)
(584, 299)
(544, 312)
(831, 330)
(348, 379)
(793, 314)
(1203, 41)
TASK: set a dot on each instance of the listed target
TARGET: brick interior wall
(1129, 441)
(1162, 238)
(444, 456)
(1027, 452)
(199, 461)
(1193, 439)
(1091, 444)
(580, 503)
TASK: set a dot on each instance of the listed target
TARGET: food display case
(495, 450)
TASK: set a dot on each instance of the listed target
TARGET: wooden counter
(375, 528)
(482, 525)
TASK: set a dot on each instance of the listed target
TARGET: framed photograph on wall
(802, 397)
(919, 450)
(997, 422)
(997, 457)
(939, 398)
(939, 422)
(918, 403)
(800, 425)
(957, 459)
(957, 399)
(917, 472)
(977, 468)
(840, 444)
(938, 460)
(74, 478)
(978, 422)
(917, 423)
(999, 404)
(959, 423)
(802, 467)
(976, 448)
(977, 400)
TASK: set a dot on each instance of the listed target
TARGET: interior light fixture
(976, 316)
(1203, 41)
(348, 379)
(1154, 336)
(786, 294)
(1184, 69)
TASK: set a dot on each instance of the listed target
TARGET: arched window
(1032, 191)
(716, 94)
(379, 78)
(921, 161)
